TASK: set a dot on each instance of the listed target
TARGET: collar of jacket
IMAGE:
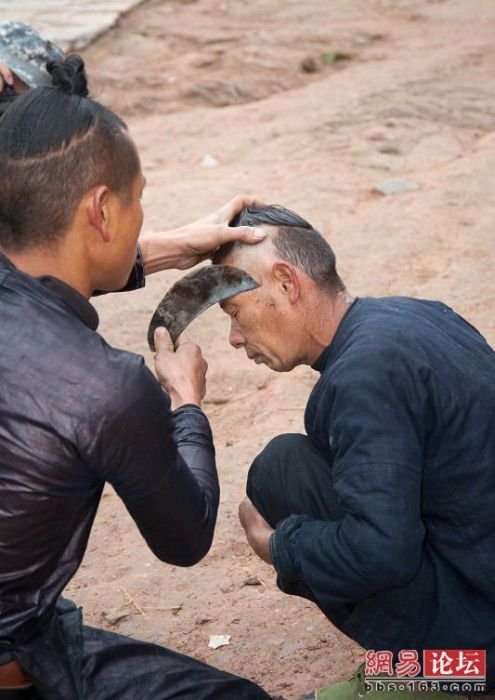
(71, 298)
(331, 350)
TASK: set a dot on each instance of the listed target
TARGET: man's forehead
(241, 299)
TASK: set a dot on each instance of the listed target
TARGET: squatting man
(382, 514)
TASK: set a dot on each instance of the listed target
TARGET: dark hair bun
(69, 76)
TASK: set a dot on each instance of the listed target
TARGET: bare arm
(185, 247)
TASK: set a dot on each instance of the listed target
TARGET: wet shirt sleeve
(370, 413)
(161, 463)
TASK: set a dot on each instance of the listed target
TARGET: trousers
(72, 661)
(291, 477)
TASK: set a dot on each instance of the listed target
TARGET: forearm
(377, 545)
(161, 464)
(162, 251)
(192, 435)
(184, 247)
(178, 518)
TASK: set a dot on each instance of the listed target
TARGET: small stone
(115, 615)
(376, 134)
(203, 621)
(389, 149)
(209, 161)
(309, 65)
(396, 185)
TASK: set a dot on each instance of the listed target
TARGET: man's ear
(97, 210)
(286, 279)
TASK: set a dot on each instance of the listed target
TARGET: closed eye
(229, 310)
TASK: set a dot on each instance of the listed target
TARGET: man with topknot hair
(76, 413)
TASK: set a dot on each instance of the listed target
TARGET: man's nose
(236, 339)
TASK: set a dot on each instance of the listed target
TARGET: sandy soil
(413, 97)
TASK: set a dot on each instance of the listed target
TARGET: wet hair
(56, 144)
(296, 241)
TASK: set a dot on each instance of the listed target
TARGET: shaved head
(290, 238)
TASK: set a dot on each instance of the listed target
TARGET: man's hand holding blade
(181, 370)
(257, 530)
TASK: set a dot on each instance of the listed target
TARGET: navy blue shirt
(405, 413)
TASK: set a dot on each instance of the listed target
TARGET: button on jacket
(404, 412)
(75, 413)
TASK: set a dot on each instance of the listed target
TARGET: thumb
(163, 341)
(247, 234)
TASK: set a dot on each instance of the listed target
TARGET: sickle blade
(194, 293)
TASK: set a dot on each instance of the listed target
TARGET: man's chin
(271, 364)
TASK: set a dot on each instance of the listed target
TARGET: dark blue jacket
(405, 412)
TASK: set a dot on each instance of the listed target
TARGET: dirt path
(413, 97)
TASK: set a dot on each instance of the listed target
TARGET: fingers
(243, 509)
(181, 371)
(235, 205)
(6, 76)
(184, 339)
(163, 341)
(249, 515)
(225, 214)
(246, 234)
(225, 234)
(258, 531)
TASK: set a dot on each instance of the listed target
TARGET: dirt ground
(389, 89)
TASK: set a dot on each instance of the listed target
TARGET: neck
(62, 261)
(323, 321)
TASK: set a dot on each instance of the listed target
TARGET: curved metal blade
(193, 294)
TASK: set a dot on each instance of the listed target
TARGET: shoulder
(115, 377)
(58, 357)
(384, 342)
(390, 317)
(392, 326)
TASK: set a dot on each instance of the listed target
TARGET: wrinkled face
(262, 320)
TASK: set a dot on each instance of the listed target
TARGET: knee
(275, 459)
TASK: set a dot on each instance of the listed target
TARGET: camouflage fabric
(26, 52)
